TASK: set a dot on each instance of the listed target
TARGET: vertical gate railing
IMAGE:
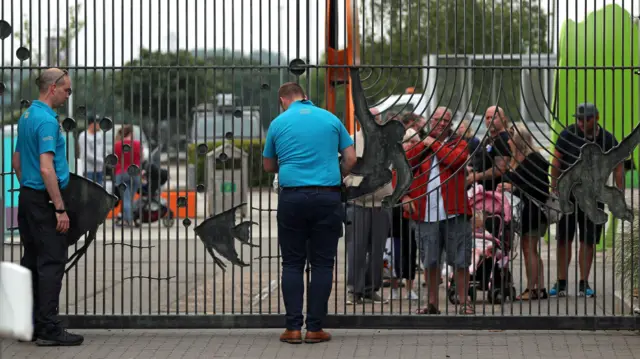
(198, 83)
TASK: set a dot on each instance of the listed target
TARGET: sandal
(430, 309)
(528, 295)
(467, 309)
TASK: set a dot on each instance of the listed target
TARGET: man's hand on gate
(408, 204)
(63, 222)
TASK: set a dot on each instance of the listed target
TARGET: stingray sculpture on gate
(587, 180)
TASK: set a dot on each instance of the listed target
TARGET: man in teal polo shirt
(302, 146)
(41, 166)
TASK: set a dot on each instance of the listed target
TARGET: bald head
(52, 76)
(55, 87)
(495, 120)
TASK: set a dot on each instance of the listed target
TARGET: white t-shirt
(92, 151)
(435, 211)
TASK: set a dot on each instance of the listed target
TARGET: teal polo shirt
(306, 140)
(39, 132)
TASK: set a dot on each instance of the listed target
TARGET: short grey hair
(49, 77)
(446, 111)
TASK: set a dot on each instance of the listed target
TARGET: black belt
(314, 188)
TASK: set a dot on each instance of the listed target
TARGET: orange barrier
(172, 201)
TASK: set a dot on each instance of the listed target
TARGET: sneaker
(59, 338)
(354, 299)
(542, 293)
(558, 291)
(584, 290)
(374, 297)
(395, 294)
(411, 295)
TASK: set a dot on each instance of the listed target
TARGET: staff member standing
(41, 166)
(302, 146)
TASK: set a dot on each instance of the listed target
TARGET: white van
(213, 123)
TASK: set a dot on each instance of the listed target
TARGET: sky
(117, 29)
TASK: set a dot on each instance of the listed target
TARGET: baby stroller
(150, 207)
(494, 244)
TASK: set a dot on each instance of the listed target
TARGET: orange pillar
(349, 56)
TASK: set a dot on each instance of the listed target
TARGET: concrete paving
(375, 344)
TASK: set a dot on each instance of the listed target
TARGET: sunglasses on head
(64, 73)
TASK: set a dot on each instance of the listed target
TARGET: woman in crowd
(468, 135)
(126, 158)
(528, 180)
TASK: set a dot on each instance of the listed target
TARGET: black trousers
(45, 254)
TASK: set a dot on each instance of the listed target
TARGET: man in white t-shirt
(91, 143)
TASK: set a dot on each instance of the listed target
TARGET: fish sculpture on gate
(218, 233)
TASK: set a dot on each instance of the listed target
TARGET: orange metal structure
(349, 56)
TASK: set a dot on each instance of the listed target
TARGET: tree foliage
(57, 56)
(154, 87)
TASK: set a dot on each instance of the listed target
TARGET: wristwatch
(61, 211)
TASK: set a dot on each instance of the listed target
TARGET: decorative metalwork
(588, 176)
(403, 57)
(382, 151)
(88, 205)
(219, 231)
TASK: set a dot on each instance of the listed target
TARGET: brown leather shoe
(317, 337)
(291, 337)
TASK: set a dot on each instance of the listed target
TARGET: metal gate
(198, 82)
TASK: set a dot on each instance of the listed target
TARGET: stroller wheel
(473, 293)
(453, 295)
(168, 222)
(495, 296)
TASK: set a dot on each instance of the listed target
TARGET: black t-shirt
(530, 180)
(571, 139)
(484, 159)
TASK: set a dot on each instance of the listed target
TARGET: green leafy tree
(164, 93)
(255, 87)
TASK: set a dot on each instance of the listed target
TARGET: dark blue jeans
(96, 177)
(309, 226)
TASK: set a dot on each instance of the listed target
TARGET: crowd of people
(433, 219)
